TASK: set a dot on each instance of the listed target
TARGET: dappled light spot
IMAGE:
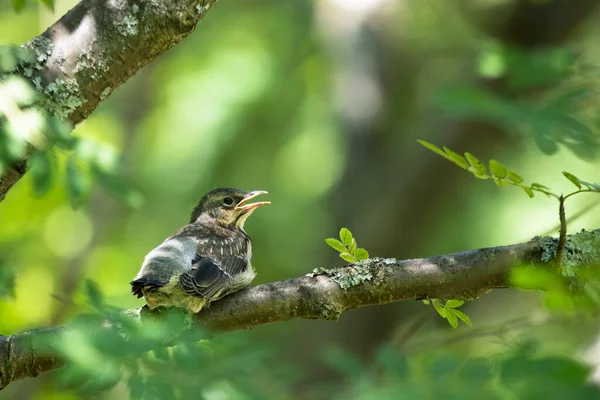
(310, 164)
(67, 233)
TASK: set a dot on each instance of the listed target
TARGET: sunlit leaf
(434, 148)
(501, 183)
(361, 254)
(451, 317)
(516, 178)
(353, 246)
(454, 303)
(348, 257)
(19, 90)
(477, 166)
(439, 307)
(463, 317)
(498, 169)
(528, 191)
(346, 236)
(572, 178)
(457, 158)
(336, 244)
(536, 279)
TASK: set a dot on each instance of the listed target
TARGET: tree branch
(327, 294)
(95, 48)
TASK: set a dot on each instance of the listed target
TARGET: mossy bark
(95, 48)
(327, 293)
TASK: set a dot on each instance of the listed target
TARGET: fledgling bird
(205, 260)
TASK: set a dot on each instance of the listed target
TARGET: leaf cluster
(449, 311)
(561, 114)
(347, 246)
(513, 373)
(163, 357)
(502, 176)
(27, 129)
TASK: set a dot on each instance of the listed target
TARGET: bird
(206, 259)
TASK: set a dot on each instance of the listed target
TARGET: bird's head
(227, 206)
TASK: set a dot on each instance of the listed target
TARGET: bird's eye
(228, 201)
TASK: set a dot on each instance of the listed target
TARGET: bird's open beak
(242, 205)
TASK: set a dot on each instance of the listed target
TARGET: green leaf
(137, 387)
(591, 186)
(477, 167)
(498, 169)
(501, 183)
(434, 148)
(478, 176)
(463, 316)
(572, 178)
(336, 244)
(537, 186)
(546, 144)
(516, 178)
(451, 317)
(532, 278)
(346, 236)
(527, 190)
(454, 303)
(18, 5)
(7, 281)
(348, 257)
(457, 158)
(352, 247)
(19, 90)
(426, 301)
(78, 183)
(94, 294)
(361, 254)
(439, 307)
(41, 172)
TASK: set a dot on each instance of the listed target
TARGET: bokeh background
(320, 103)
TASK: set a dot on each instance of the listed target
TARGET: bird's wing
(218, 260)
(175, 254)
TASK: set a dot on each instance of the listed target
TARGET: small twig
(573, 217)
(562, 239)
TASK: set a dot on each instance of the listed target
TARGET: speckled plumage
(203, 261)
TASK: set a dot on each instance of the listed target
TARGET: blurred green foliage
(273, 95)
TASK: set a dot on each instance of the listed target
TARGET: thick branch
(328, 294)
(95, 48)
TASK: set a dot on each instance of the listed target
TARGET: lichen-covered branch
(327, 293)
(95, 47)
